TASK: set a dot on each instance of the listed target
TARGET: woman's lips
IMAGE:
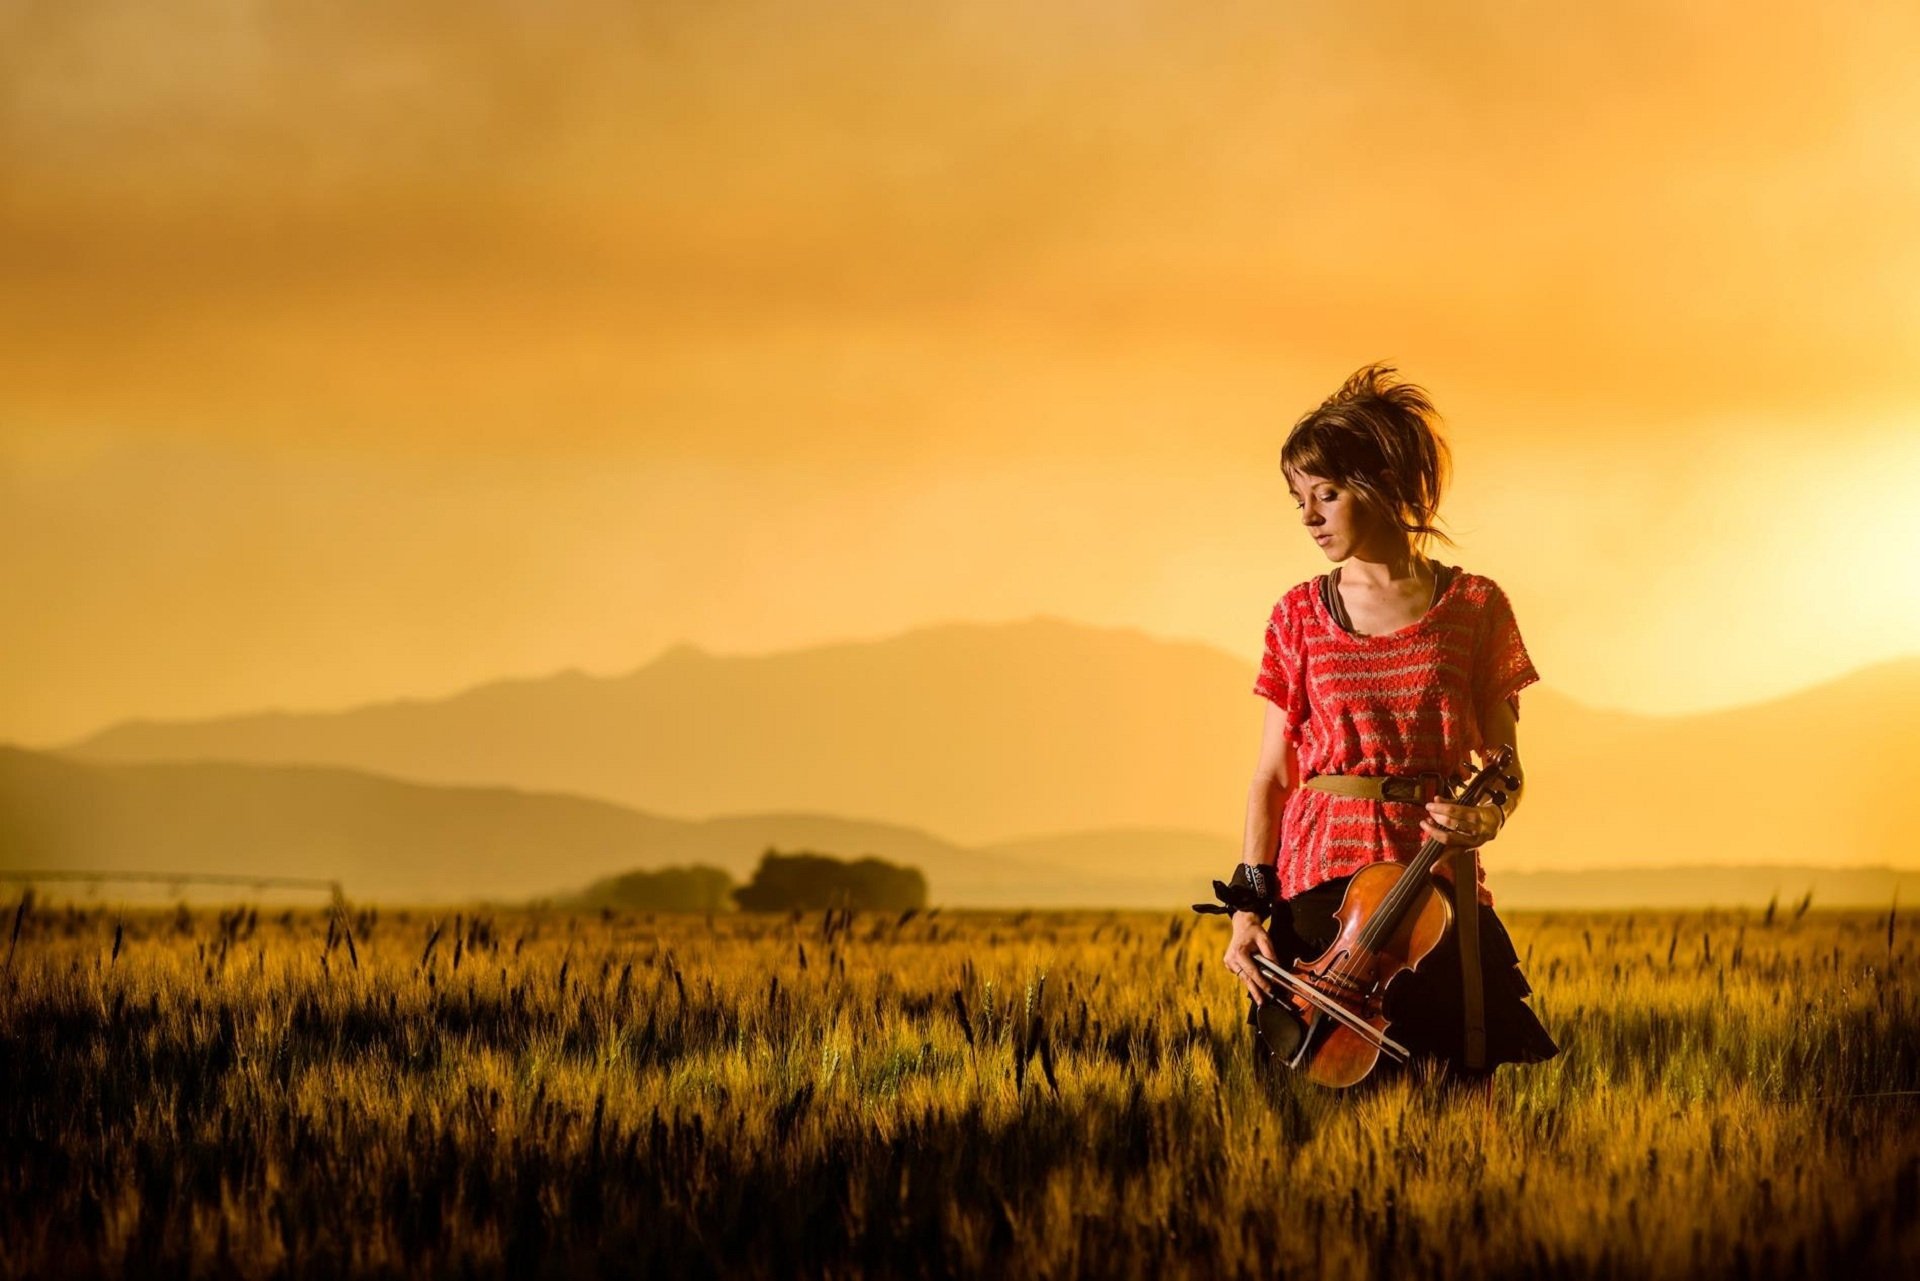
(1323, 539)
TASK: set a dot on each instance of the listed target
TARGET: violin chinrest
(1282, 1028)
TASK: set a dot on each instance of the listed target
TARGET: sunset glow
(381, 356)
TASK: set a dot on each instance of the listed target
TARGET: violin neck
(1400, 900)
(1409, 889)
(1430, 852)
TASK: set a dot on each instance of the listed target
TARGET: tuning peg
(1513, 784)
(1497, 797)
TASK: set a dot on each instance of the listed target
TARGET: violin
(1329, 1023)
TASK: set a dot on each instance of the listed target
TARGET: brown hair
(1379, 437)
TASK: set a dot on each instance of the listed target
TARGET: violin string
(1369, 939)
(1347, 969)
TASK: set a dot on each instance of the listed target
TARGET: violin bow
(1336, 1011)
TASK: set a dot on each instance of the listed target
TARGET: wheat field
(269, 1092)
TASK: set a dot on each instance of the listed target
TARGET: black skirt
(1424, 1008)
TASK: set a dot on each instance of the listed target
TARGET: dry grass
(1034, 1094)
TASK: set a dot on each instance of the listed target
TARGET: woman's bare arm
(1275, 773)
(1501, 724)
(1459, 825)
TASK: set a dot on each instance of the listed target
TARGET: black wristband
(1252, 888)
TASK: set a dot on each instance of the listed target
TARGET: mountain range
(391, 841)
(1065, 751)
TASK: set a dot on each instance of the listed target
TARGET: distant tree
(667, 889)
(811, 881)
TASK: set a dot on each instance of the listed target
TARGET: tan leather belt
(1425, 786)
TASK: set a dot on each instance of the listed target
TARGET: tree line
(803, 880)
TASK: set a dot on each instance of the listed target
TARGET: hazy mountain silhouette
(1816, 777)
(391, 840)
(383, 839)
(394, 841)
(975, 732)
(994, 732)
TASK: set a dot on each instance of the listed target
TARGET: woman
(1391, 665)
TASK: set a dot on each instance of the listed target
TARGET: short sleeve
(1283, 678)
(1501, 667)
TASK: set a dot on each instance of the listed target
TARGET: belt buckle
(1393, 787)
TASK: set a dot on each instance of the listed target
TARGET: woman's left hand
(1461, 826)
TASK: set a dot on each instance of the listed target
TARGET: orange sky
(350, 353)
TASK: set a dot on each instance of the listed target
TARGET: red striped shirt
(1398, 703)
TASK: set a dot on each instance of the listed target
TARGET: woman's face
(1332, 514)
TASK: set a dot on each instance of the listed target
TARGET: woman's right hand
(1250, 939)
